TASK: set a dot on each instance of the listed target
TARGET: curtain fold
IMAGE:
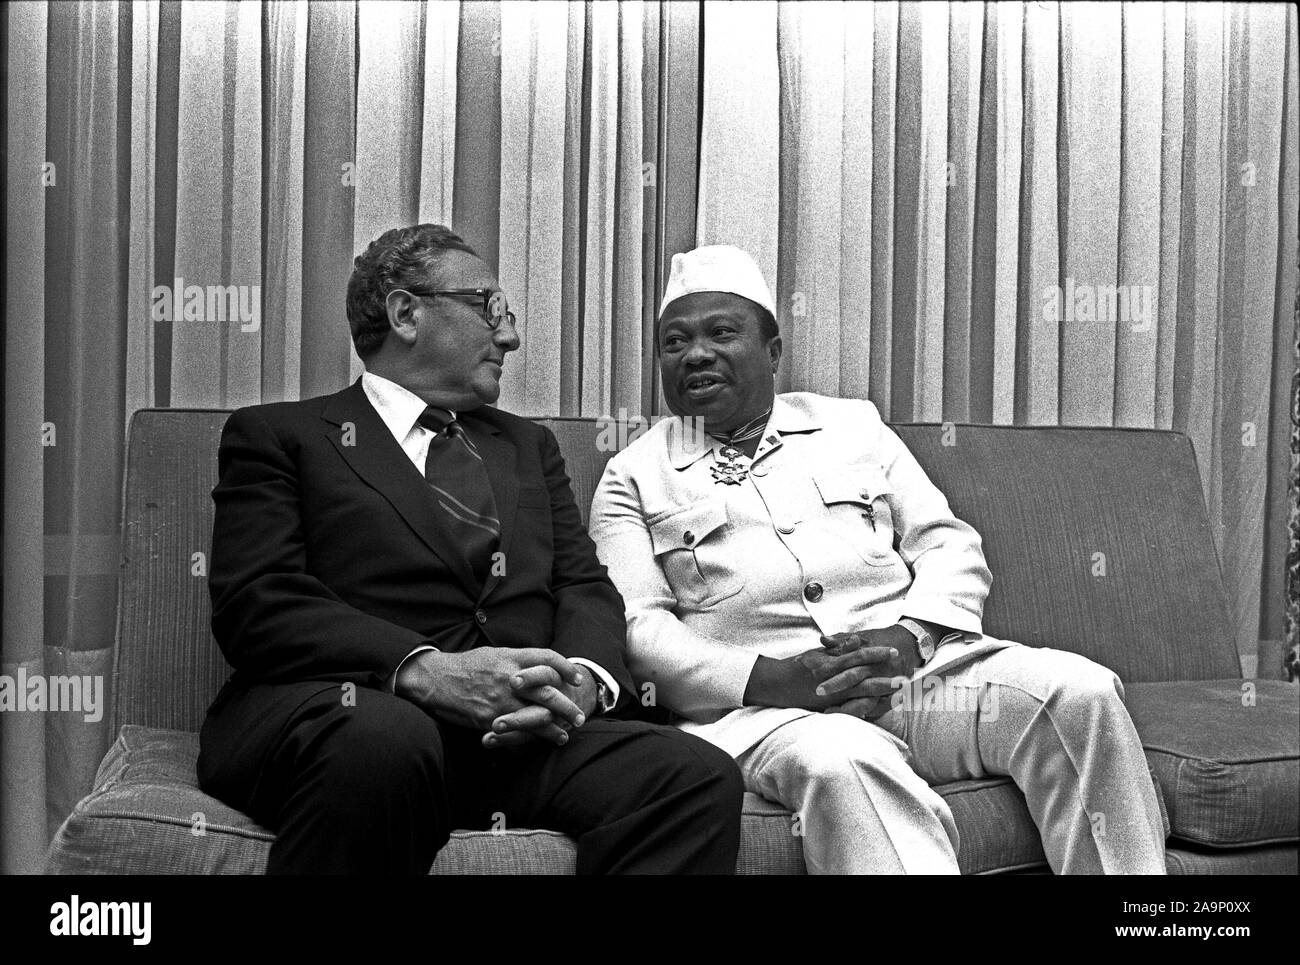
(536, 70)
(85, 281)
(1037, 387)
(329, 177)
(438, 130)
(1138, 234)
(216, 343)
(284, 53)
(141, 348)
(25, 770)
(671, 140)
(997, 220)
(1088, 206)
(740, 147)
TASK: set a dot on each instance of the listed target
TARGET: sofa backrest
(1098, 540)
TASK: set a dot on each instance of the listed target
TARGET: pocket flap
(851, 484)
(685, 528)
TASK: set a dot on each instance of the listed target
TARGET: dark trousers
(361, 781)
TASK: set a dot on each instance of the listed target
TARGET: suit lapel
(374, 455)
(499, 460)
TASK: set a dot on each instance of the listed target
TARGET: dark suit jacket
(331, 561)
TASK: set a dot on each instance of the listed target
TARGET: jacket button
(865, 494)
(812, 592)
(759, 471)
(688, 537)
(785, 529)
(480, 616)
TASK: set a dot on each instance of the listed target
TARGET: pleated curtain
(261, 146)
(912, 177)
(915, 180)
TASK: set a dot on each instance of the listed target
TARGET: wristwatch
(925, 644)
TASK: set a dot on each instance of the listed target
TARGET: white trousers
(1053, 721)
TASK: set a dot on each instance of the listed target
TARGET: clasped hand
(514, 695)
(859, 671)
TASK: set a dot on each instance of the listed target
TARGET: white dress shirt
(400, 408)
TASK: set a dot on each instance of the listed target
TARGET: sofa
(1098, 540)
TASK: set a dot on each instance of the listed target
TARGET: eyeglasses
(491, 302)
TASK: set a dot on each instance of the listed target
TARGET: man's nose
(698, 353)
(506, 336)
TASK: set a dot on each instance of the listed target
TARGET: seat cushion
(1226, 755)
(997, 832)
(1271, 859)
(767, 847)
(147, 815)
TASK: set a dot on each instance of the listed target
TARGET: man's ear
(400, 305)
(774, 352)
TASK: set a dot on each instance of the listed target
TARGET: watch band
(925, 644)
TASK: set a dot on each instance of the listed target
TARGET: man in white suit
(800, 594)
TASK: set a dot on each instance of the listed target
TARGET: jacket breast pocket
(691, 546)
(857, 500)
(534, 497)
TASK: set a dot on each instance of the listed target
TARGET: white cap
(717, 268)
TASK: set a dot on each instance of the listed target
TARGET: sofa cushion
(1226, 755)
(997, 832)
(1271, 859)
(997, 835)
(147, 815)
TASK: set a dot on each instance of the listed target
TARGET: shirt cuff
(610, 683)
(938, 610)
(944, 634)
(392, 679)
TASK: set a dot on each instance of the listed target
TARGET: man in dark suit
(422, 636)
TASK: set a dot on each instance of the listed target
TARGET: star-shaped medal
(731, 471)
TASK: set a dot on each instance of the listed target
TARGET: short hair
(399, 258)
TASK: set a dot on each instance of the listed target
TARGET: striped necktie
(455, 472)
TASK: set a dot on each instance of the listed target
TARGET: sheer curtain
(260, 145)
(912, 177)
(932, 187)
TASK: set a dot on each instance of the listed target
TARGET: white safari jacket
(836, 528)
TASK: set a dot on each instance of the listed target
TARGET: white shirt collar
(399, 407)
(686, 448)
